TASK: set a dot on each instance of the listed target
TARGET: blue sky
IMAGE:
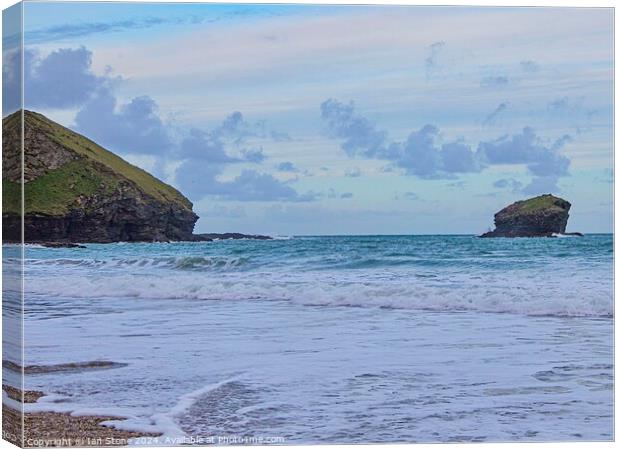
(337, 119)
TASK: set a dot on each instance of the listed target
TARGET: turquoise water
(331, 339)
(561, 277)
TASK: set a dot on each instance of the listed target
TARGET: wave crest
(422, 294)
(194, 263)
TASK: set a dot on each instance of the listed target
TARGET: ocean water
(328, 339)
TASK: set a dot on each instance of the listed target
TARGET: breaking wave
(192, 263)
(484, 295)
(557, 277)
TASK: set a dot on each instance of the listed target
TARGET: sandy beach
(50, 429)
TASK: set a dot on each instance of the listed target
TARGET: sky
(311, 119)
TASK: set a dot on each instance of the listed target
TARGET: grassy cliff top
(538, 203)
(55, 192)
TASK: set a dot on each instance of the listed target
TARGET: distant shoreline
(196, 238)
(210, 237)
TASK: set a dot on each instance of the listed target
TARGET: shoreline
(194, 238)
(52, 429)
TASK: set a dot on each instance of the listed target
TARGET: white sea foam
(576, 296)
(11, 403)
(167, 422)
(329, 374)
(180, 263)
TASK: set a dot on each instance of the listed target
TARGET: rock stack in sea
(541, 216)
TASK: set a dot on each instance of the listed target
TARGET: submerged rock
(541, 216)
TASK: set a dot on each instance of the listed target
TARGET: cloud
(75, 30)
(62, 79)
(457, 184)
(361, 138)
(512, 184)
(287, 167)
(529, 66)
(137, 127)
(80, 29)
(411, 196)
(566, 107)
(233, 124)
(561, 104)
(255, 156)
(456, 157)
(491, 119)
(494, 81)
(278, 136)
(542, 184)
(253, 186)
(353, 173)
(200, 180)
(242, 51)
(205, 158)
(572, 112)
(431, 62)
(210, 146)
(542, 161)
(204, 147)
(332, 194)
(526, 148)
(549, 162)
(11, 81)
(419, 155)
(134, 127)
(237, 129)
(422, 154)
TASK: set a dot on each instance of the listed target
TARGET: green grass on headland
(96, 170)
(55, 193)
(540, 202)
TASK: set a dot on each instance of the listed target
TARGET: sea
(327, 339)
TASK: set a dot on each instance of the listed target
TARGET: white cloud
(244, 50)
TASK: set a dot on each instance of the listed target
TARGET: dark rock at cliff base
(61, 245)
(77, 191)
(541, 216)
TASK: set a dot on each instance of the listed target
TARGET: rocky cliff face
(542, 216)
(77, 191)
